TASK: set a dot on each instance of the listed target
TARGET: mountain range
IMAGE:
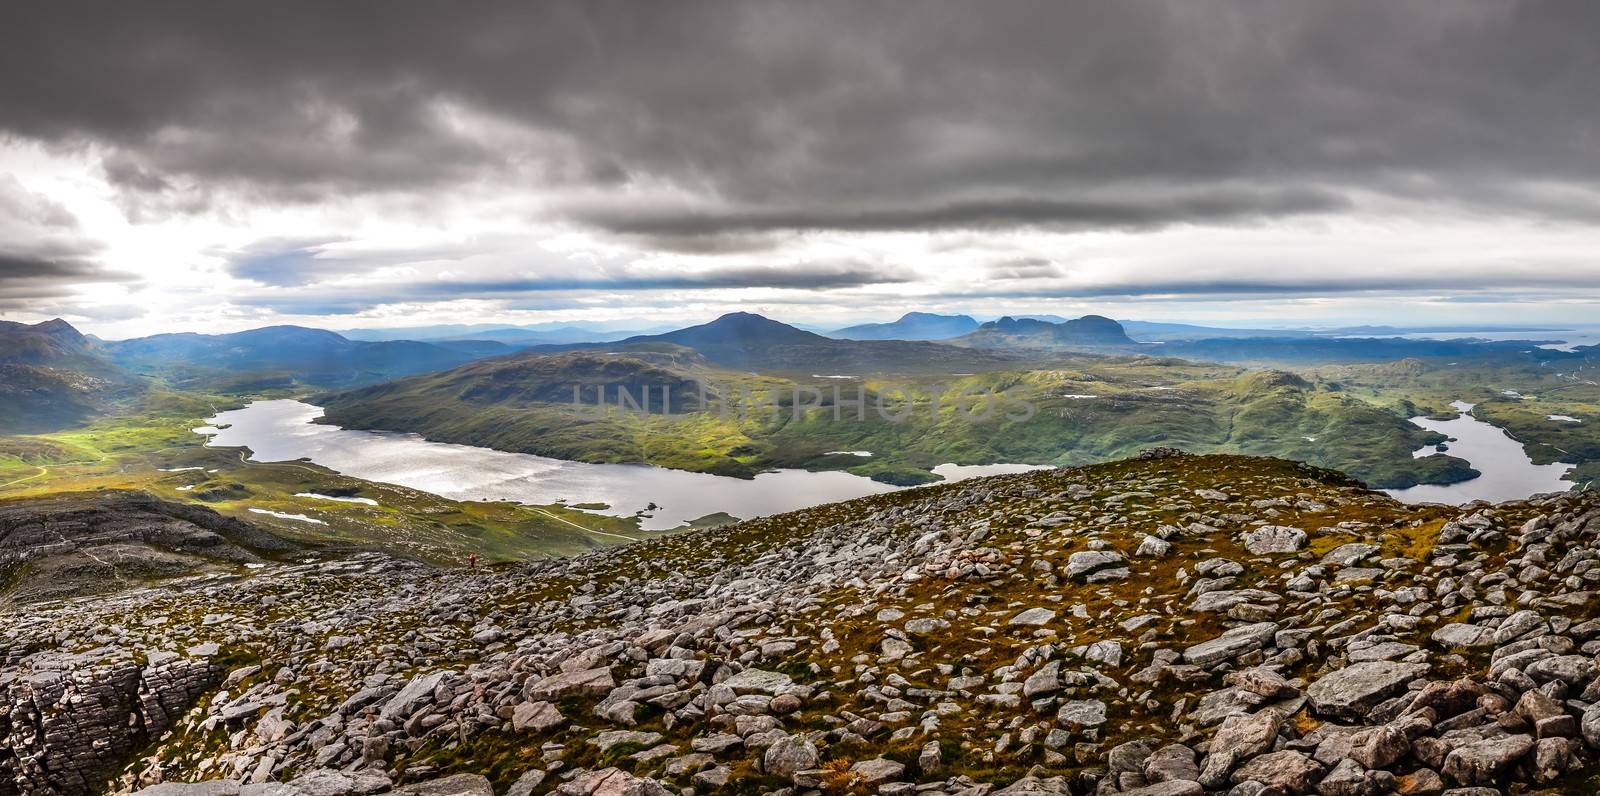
(910, 326)
(312, 356)
(753, 342)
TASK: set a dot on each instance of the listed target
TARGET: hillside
(525, 403)
(1083, 410)
(75, 544)
(1166, 626)
(51, 376)
(910, 326)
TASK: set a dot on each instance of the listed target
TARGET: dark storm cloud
(30, 276)
(1221, 205)
(21, 267)
(537, 290)
(801, 276)
(42, 255)
(843, 115)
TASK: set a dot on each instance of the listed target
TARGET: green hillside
(1099, 409)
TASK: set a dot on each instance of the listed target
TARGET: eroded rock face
(71, 721)
(897, 644)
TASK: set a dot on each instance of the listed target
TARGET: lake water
(1567, 339)
(283, 430)
(1507, 472)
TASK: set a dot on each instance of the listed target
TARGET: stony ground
(1168, 626)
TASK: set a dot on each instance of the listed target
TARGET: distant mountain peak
(1089, 330)
(911, 326)
(743, 328)
(61, 330)
(749, 319)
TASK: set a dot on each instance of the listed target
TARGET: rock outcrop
(68, 722)
(102, 542)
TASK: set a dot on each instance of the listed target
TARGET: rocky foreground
(1164, 627)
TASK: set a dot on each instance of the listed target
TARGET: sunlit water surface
(283, 430)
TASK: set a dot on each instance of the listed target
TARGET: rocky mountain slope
(101, 542)
(1166, 626)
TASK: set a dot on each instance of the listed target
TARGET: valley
(1085, 407)
(765, 456)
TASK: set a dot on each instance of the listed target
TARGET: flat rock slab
(1086, 562)
(1351, 692)
(1032, 616)
(1484, 762)
(1037, 786)
(611, 782)
(614, 738)
(1346, 555)
(1082, 713)
(536, 717)
(220, 787)
(1273, 539)
(586, 682)
(877, 771)
(458, 785)
(416, 693)
(1233, 643)
(1249, 735)
(1173, 787)
(1291, 770)
(1223, 599)
(1382, 651)
(1460, 635)
(759, 681)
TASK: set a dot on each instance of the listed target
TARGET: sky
(174, 166)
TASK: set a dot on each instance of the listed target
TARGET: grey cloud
(1069, 214)
(27, 278)
(286, 262)
(41, 252)
(828, 115)
(1026, 268)
(22, 207)
(799, 276)
(559, 290)
(23, 267)
(1293, 285)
